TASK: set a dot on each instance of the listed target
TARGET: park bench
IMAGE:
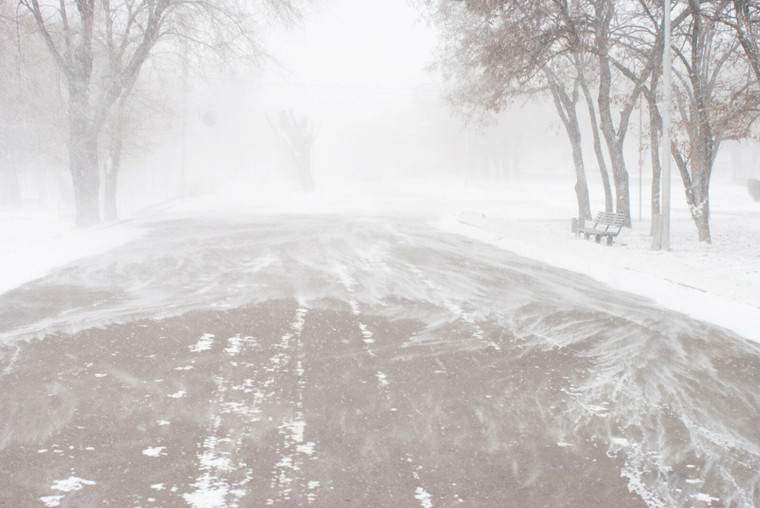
(606, 225)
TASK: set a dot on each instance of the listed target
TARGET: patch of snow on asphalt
(234, 345)
(209, 493)
(204, 343)
(70, 484)
(35, 242)
(424, 497)
(154, 451)
(51, 501)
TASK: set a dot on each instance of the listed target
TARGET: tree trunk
(698, 199)
(83, 159)
(614, 145)
(604, 13)
(83, 163)
(703, 146)
(566, 109)
(113, 164)
(701, 172)
(697, 191)
(304, 169)
(581, 185)
(608, 203)
(606, 184)
(701, 215)
(113, 161)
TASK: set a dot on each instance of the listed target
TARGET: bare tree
(716, 100)
(647, 41)
(576, 51)
(298, 135)
(496, 52)
(623, 50)
(565, 104)
(581, 69)
(101, 47)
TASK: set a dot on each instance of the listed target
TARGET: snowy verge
(34, 242)
(617, 267)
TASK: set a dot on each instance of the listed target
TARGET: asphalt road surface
(339, 361)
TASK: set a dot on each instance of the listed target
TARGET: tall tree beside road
(717, 99)
(565, 103)
(627, 56)
(492, 58)
(496, 52)
(100, 48)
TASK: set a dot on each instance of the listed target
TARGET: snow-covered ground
(719, 283)
(33, 241)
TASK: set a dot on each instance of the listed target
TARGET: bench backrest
(610, 219)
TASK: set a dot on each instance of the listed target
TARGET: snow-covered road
(342, 361)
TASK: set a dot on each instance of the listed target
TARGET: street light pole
(667, 64)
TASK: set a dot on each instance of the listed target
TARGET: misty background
(358, 72)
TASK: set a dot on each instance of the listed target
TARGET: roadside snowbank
(33, 242)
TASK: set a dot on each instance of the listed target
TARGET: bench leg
(609, 240)
(587, 235)
(598, 238)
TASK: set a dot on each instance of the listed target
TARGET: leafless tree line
(609, 55)
(97, 49)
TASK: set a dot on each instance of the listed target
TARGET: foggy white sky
(357, 42)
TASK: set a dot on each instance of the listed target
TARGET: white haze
(359, 72)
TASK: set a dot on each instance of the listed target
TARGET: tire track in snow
(368, 338)
(293, 449)
(223, 476)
